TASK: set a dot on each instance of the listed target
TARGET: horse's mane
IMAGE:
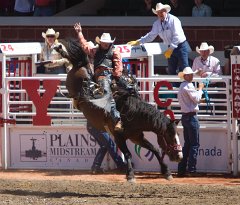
(132, 105)
(76, 55)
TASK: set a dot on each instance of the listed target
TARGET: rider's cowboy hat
(204, 46)
(160, 6)
(105, 38)
(50, 32)
(91, 44)
(186, 71)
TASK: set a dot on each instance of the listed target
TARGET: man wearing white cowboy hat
(189, 98)
(107, 65)
(169, 29)
(57, 64)
(52, 60)
(205, 64)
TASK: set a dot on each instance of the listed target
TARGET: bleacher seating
(134, 6)
(216, 6)
(113, 8)
(231, 8)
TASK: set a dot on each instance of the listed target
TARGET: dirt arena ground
(80, 187)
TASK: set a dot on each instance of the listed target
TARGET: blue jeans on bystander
(179, 58)
(191, 144)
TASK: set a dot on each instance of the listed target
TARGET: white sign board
(53, 148)
(143, 50)
(212, 154)
(62, 148)
(20, 48)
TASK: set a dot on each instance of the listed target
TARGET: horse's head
(170, 143)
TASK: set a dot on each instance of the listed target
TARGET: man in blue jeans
(106, 145)
(189, 98)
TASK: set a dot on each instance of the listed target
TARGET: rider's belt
(190, 113)
(100, 70)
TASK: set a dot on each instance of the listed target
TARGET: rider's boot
(93, 88)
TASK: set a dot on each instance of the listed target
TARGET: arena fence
(64, 143)
(214, 120)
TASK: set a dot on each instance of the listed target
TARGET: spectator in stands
(23, 7)
(106, 145)
(201, 9)
(52, 59)
(206, 65)
(107, 66)
(189, 99)
(146, 9)
(170, 30)
(179, 7)
(49, 52)
(44, 7)
(6, 7)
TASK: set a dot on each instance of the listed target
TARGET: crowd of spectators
(179, 7)
(121, 7)
(34, 7)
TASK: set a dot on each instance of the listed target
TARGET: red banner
(236, 90)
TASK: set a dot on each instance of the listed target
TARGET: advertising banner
(76, 149)
(52, 148)
(212, 154)
(235, 66)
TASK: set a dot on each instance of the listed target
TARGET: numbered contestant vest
(103, 58)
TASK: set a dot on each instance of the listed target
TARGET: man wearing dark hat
(189, 98)
(107, 65)
(170, 30)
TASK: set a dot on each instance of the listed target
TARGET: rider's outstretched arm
(83, 42)
(117, 63)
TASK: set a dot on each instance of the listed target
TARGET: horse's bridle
(170, 148)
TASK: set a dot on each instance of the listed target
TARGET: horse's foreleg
(128, 157)
(164, 168)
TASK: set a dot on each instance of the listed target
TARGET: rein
(169, 148)
(205, 93)
(60, 91)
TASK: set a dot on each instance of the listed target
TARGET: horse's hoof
(131, 180)
(169, 177)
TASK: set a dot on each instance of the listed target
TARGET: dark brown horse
(136, 114)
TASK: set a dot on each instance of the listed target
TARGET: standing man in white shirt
(189, 98)
(206, 65)
(170, 30)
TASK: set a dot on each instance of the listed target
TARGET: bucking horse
(137, 115)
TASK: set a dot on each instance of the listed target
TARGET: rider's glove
(168, 53)
(134, 43)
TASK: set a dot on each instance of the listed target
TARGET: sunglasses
(52, 36)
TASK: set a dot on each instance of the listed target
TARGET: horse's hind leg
(121, 143)
(164, 168)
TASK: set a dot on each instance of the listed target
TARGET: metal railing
(21, 108)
